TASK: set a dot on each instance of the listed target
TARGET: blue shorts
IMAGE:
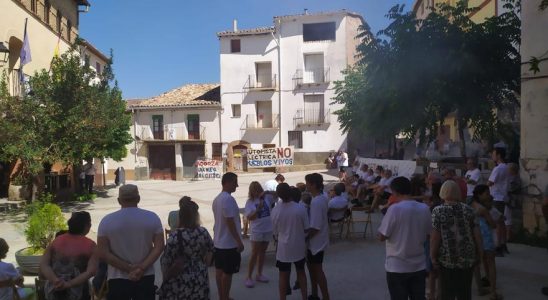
(486, 235)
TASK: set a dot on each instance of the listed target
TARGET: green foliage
(414, 73)
(85, 197)
(71, 114)
(45, 219)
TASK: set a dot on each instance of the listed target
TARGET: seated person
(338, 204)
(363, 171)
(9, 277)
(382, 190)
(173, 217)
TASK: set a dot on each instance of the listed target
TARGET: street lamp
(4, 53)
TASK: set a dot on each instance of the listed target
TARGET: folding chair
(359, 215)
(339, 225)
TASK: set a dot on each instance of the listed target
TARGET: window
(98, 68)
(59, 22)
(86, 60)
(193, 126)
(47, 8)
(235, 46)
(295, 139)
(236, 110)
(319, 32)
(69, 30)
(158, 127)
(313, 69)
(33, 5)
(263, 73)
(313, 109)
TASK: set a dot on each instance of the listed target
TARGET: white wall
(534, 112)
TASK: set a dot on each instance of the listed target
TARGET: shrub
(44, 221)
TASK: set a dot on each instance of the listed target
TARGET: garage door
(190, 154)
(161, 159)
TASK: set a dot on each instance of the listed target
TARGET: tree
(70, 114)
(415, 73)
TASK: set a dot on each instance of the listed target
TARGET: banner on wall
(209, 169)
(405, 168)
(270, 157)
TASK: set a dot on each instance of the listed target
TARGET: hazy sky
(160, 45)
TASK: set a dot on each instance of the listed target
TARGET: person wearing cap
(70, 260)
(130, 240)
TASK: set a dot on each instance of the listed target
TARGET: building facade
(171, 131)
(485, 8)
(277, 85)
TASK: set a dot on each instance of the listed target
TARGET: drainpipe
(279, 83)
(134, 134)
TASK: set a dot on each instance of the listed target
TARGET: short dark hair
(401, 185)
(228, 177)
(280, 177)
(284, 192)
(295, 194)
(183, 200)
(188, 214)
(315, 179)
(500, 151)
(78, 222)
(339, 188)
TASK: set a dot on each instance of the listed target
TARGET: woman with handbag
(188, 253)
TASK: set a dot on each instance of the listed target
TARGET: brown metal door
(161, 159)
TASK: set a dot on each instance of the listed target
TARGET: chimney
(306, 11)
(235, 25)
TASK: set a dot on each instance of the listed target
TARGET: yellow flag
(56, 51)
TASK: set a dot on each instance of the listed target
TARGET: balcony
(311, 117)
(261, 83)
(171, 133)
(261, 122)
(308, 77)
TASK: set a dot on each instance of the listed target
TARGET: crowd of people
(441, 232)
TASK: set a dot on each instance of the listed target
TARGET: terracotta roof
(190, 95)
(241, 32)
(308, 14)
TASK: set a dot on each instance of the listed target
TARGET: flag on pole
(56, 50)
(25, 55)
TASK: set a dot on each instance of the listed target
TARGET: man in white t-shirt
(227, 240)
(319, 235)
(498, 186)
(405, 228)
(270, 185)
(130, 240)
(338, 204)
(342, 162)
(90, 170)
(290, 222)
(472, 177)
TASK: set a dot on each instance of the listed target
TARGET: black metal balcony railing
(311, 76)
(172, 133)
(267, 121)
(311, 117)
(261, 82)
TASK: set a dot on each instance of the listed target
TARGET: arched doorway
(237, 156)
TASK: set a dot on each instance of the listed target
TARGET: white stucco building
(277, 83)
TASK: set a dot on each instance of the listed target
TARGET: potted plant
(19, 188)
(45, 219)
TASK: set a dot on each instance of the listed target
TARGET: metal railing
(312, 117)
(261, 82)
(311, 76)
(261, 121)
(171, 133)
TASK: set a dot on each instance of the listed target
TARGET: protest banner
(405, 168)
(209, 169)
(270, 157)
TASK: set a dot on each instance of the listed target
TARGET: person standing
(318, 235)
(257, 211)
(455, 243)
(290, 223)
(130, 240)
(498, 186)
(90, 170)
(189, 250)
(472, 177)
(405, 228)
(342, 162)
(227, 240)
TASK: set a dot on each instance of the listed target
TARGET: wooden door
(161, 160)
(264, 114)
(193, 123)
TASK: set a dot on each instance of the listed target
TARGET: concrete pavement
(354, 267)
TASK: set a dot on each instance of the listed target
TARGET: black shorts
(286, 266)
(314, 259)
(499, 205)
(227, 260)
